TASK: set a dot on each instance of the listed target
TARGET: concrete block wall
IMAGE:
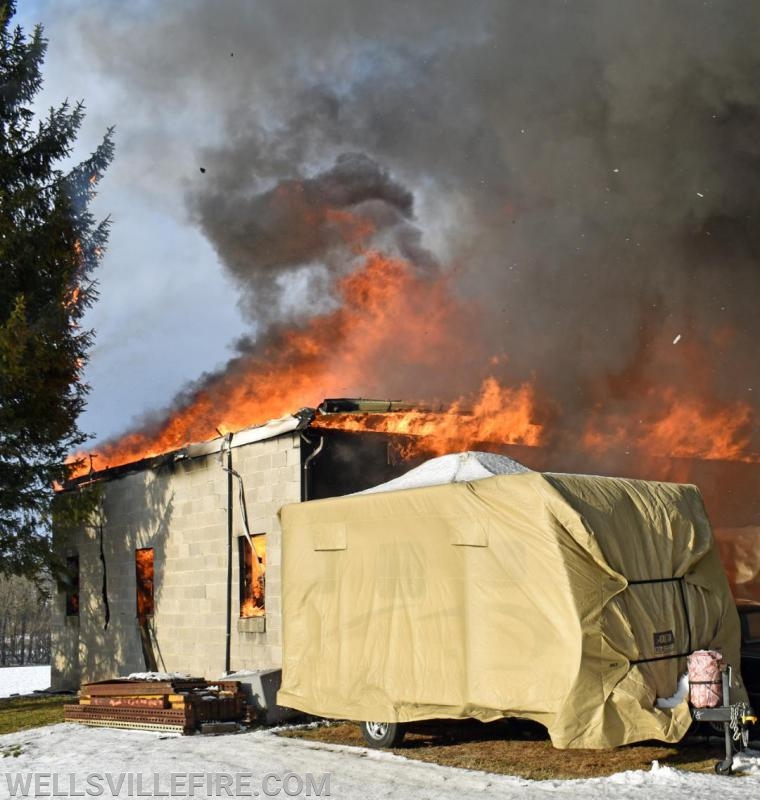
(271, 473)
(179, 510)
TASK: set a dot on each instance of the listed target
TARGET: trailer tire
(383, 734)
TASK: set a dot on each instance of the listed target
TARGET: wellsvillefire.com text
(174, 784)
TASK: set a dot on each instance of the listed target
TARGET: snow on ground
(70, 749)
(23, 680)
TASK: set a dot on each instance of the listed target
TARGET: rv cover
(566, 599)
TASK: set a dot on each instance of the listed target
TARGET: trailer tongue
(735, 719)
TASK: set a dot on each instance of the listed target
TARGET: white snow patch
(452, 468)
(748, 761)
(354, 772)
(682, 692)
(240, 673)
(677, 339)
(23, 680)
(155, 676)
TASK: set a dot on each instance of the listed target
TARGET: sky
(582, 176)
(166, 311)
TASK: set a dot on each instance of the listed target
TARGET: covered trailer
(570, 600)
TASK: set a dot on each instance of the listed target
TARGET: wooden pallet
(176, 705)
(150, 719)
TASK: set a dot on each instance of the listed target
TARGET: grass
(21, 713)
(523, 749)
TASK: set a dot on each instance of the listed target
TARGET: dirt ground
(524, 749)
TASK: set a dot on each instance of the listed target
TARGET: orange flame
(680, 417)
(248, 608)
(678, 427)
(390, 325)
(144, 575)
(253, 579)
(501, 415)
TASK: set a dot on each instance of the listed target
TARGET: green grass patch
(21, 713)
(512, 748)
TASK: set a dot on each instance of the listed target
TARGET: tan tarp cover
(508, 596)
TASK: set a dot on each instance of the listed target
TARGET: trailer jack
(735, 718)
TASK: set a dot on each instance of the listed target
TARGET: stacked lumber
(176, 704)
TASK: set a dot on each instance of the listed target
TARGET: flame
(253, 579)
(144, 578)
(682, 416)
(248, 608)
(375, 339)
(390, 326)
(393, 328)
(676, 426)
(501, 415)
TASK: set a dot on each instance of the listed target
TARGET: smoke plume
(584, 176)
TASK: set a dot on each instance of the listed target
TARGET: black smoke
(588, 172)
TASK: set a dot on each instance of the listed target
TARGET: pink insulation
(705, 683)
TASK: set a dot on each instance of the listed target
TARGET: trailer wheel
(724, 767)
(383, 734)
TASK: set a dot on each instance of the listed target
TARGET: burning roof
(319, 417)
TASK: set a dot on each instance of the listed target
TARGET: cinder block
(293, 457)
(274, 639)
(194, 592)
(274, 626)
(217, 592)
(287, 442)
(274, 606)
(263, 493)
(263, 463)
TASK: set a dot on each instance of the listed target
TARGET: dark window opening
(253, 565)
(144, 576)
(72, 586)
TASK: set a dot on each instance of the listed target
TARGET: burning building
(179, 567)
(538, 224)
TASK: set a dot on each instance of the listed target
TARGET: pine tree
(50, 245)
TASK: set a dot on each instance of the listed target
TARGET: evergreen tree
(49, 246)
